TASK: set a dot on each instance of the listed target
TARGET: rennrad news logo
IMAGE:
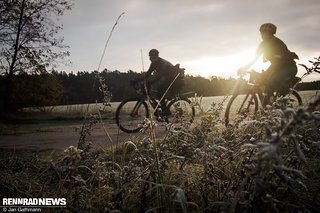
(31, 204)
(34, 202)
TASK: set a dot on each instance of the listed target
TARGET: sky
(206, 37)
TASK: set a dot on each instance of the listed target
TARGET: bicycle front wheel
(241, 106)
(181, 110)
(131, 114)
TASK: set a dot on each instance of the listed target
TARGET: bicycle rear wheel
(181, 110)
(241, 106)
(131, 114)
(294, 99)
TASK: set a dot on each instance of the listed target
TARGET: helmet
(268, 27)
(153, 52)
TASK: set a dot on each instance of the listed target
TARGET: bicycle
(132, 112)
(249, 94)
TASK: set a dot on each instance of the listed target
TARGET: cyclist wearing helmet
(283, 68)
(163, 73)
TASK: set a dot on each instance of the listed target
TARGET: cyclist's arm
(145, 75)
(152, 74)
(151, 69)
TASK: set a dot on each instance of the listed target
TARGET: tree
(36, 90)
(28, 38)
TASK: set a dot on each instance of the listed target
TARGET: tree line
(83, 87)
(61, 88)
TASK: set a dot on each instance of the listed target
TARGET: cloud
(183, 30)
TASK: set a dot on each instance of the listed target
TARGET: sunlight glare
(224, 66)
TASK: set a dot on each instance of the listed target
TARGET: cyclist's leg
(267, 81)
(278, 80)
(173, 90)
(148, 85)
(162, 88)
(284, 79)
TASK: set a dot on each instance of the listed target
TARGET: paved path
(61, 137)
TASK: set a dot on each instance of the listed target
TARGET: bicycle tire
(295, 99)
(130, 115)
(241, 105)
(181, 110)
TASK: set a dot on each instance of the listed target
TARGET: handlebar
(254, 78)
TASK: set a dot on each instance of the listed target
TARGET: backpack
(293, 55)
(179, 70)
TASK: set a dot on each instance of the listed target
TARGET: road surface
(61, 137)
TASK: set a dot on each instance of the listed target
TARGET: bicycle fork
(135, 110)
(244, 101)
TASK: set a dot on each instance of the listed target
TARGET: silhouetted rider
(283, 67)
(163, 73)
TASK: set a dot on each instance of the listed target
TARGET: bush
(36, 91)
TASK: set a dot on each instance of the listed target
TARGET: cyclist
(283, 67)
(163, 73)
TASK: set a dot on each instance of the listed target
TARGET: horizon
(187, 74)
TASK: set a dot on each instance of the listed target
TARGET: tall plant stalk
(104, 89)
(160, 189)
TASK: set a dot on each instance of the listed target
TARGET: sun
(222, 66)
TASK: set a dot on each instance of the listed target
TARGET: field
(205, 102)
(268, 164)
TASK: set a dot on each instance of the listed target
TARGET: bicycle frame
(135, 109)
(152, 94)
(179, 111)
(155, 102)
(244, 101)
(254, 89)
